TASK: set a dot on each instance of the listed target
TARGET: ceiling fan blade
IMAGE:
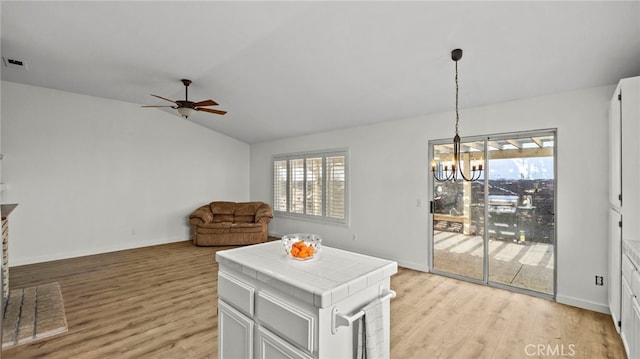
(160, 106)
(217, 112)
(163, 98)
(206, 103)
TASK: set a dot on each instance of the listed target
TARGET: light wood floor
(160, 302)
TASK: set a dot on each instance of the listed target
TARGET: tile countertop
(632, 249)
(331, 276)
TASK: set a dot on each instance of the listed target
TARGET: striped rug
(33, 313)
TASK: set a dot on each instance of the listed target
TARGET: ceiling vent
(14, 63)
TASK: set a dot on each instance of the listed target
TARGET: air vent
(14, 63)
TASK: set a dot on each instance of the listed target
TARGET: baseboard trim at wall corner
(584, 304)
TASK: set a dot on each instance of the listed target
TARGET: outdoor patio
(526, 264)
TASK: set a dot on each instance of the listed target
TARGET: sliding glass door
(500, 229)
(521, 212)
(458, 244)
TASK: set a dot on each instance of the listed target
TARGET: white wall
(93, 175)
(389, 166)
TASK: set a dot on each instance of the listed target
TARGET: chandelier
(449, 171)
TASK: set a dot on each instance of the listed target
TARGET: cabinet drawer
(270, 346)
(236, 292)
(290, 322)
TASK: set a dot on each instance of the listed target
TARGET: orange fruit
(295, 251)
(301, 250)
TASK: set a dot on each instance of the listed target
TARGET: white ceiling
(285, 69)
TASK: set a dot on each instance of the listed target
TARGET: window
(311, 185)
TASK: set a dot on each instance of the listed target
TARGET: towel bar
(342, 320)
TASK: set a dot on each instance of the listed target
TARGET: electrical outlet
(599, 280)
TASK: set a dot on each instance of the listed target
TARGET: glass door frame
(430, 187)
(430, 192)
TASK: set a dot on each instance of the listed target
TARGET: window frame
(324, 155)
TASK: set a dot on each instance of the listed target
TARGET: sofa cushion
(219, 218)
(210, 228)
(247, 208)
(245, 228)
(244, 219)
(222, 207)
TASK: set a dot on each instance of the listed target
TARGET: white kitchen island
(273, 306)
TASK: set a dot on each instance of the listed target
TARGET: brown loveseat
(230, 223)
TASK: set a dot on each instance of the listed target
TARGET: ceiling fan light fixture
(185, 111)
(185, 107)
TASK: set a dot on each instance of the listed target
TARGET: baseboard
(415, 266)
(89, 252)
(584, 304)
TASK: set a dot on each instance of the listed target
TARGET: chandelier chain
(457, 115)
(449, 171)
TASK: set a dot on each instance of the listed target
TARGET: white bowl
(310, 240)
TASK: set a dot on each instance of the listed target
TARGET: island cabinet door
(627, 331)
(271, 346)
(636, 324)
(235, 333)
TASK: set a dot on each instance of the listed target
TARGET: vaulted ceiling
(285, 69)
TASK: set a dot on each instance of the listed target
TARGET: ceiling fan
(186, 107)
